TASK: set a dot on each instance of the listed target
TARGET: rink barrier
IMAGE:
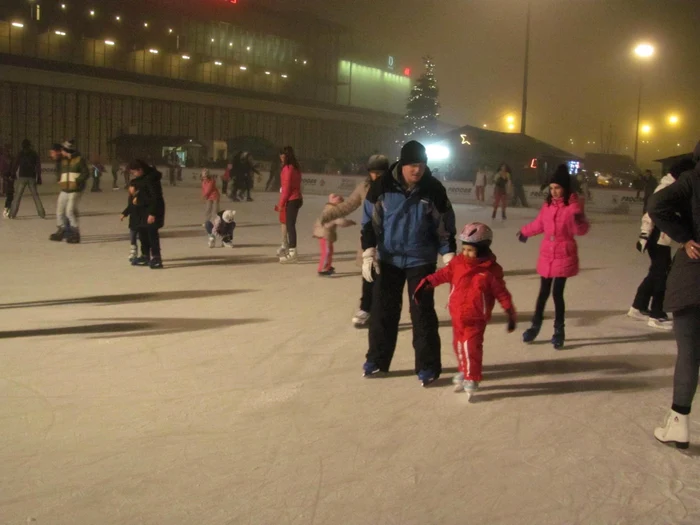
(597, 200)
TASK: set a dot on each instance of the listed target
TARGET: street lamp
(673, 120)
(643, 51)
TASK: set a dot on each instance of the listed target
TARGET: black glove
(423, 287)
(521, 237)
(512, 321)
(642, 243)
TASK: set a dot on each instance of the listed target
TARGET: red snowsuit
(476, 284)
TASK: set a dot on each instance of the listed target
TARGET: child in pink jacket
(329, 235)
(560, 220)
(210, 194)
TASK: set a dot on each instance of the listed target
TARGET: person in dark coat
(675, 210)
(146, 180)
(650, 184)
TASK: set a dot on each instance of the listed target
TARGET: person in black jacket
(675, 210)
(150, 211)
(27, 167)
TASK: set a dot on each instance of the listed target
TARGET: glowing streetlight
(673, 120)
(510, 119)
(511, 126)
(485, 126)
(18, 25)
(646, 129)
(643, 51)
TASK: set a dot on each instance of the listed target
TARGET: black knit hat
(413, 152)
(562, 177)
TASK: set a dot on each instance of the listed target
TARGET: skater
(658, 245)
(649, 186)
(147, 182)
(249, 172)
(74, 174)
(135, 211)
(97, 169)
(501, 182)
(480, 183)
(27, 170)
(210, 194)
(328, 235)
(290, 202)
(222, 227)
(225, 179)
(376, 166)
(6, 180)
(675, 210)
(476, 282)
(115, 169)
(407, 221)
(518, 190)
(273, 181)
(560, 219)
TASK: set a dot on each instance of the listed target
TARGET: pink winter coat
(559, 223)
(209, 190)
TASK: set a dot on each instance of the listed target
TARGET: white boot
(675, 430)
(291, 257)
(212, 241)
(282, 251)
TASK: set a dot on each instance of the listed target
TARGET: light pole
(642, 52)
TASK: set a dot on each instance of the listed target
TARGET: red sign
(407, 71)
(533, 164)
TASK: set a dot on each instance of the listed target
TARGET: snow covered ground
(227, 389)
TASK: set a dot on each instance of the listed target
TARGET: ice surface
(227, 389)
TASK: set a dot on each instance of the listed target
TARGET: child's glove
(521, 237)
(423, 287)
(512, 321)
(642, 243)
(369, 262)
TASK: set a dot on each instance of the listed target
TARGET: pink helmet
(476, 233)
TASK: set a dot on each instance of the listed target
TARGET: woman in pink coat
(560, 220)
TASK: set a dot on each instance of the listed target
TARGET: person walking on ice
(476, 283)
(377, 165)
(72, 179)
(407, 221)
(27, 166)
(560, 220)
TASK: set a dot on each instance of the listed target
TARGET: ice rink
(227, 388)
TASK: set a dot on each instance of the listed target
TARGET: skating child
(222, 227)
(476, 283)
(560, 219)
(134, 214)
(211, 195)
(329, 235)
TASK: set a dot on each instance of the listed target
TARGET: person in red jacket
(476, 282)
(210, 194)
(289, 204)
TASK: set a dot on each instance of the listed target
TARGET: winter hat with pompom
(228, 216)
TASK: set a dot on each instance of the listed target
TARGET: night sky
(583, 72)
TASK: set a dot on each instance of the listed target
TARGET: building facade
(213, 70)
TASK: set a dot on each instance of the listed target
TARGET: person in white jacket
(658, 245)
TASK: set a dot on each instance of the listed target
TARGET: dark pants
(546, 285)
(9, 192)
(291, 221)
(224, 186)
(686, 324)
(30, 184)
(653, 287)
(171, 176)
(150, 241)
(96, 182)
(367, 291)
(519, 196)
(387, 302)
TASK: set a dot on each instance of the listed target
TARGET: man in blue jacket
(407, 221)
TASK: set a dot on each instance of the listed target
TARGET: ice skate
(327, 273)
(458, 382)
(58, 235)
(360, 318)
(6, 213)
(531, 333)
(282, 251)
(558, 338)
(369, 369)
(156, 263)
(660, 323)
(675, 430)
(73, 236)
(291, 257)
(470, 388)
(227, 244)
(140, 261)
(133, 254)
(427, 377)
(640, 315)
(212, 241)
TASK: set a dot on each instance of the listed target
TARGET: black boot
(531, 333)
(58, 236)
(559, 337)
(73, 236)
(493, 215)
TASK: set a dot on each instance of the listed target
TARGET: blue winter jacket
(408, 228)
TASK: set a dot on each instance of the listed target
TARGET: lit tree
(422, 108)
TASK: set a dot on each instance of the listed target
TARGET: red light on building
(533, 164)
(407, 71)
(232, 1)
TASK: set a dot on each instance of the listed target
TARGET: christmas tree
(422, 108)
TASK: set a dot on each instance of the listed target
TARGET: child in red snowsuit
(476, 284)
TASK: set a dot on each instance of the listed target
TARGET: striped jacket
(74, 174)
